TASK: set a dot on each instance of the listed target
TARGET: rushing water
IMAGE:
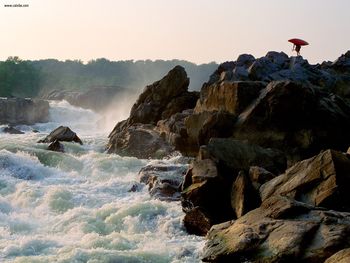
(76, 206)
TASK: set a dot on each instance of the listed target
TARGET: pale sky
(196, 30)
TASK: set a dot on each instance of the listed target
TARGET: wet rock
(280, 230)
(35, 131)
(197, 222)
(62, 133)
(56, 146)
(320, 181)
(23, 111)
(136, 187)
(141, 141)
(164, 181)
(12, 130)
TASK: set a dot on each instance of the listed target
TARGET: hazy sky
(195, 30)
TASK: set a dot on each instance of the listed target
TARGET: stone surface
(296, 118)
(233, 155)
(322, 180)
(23, 111)
(141, 141)
(232, 97)
(197, 222)
(280, 230)
(161, 100)
(56, 146)
(342, 256)
(258, 176)
(244, 197)
(164, 181)
(63, 134)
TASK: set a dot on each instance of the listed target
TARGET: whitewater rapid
(76, 206)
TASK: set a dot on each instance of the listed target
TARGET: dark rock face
(63, 134)
(210, 179)
(243, 195)
(12, 130)
(96, 98)
(56, 146)
(197, 222)
(322, 180)
(298, 119)
(280, 230)
(164, 181)
(23, 111)
(161, 100)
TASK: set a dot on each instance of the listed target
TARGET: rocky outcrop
(23, 111)
(95, 98)
(12, 130)
(296, 118)
(322, 180)
(210, 179)
(164, 181)
(343, 256)
(63, 134)
(280, 230)
(160, 101)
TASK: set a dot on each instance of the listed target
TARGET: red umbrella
(299, 42)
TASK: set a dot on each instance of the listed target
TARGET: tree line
(24, 78)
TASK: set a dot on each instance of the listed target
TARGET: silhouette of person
(297, 49)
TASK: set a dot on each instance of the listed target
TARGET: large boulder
(296, 118)
(140, 141)
(322, 180)
(56, 146)
(158, 103)
(23, 111)
(63, 134)
(280, 230)
(164, 181)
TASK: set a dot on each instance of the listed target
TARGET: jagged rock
(173, 130)
(63, 134)
(322, 180)
(155, 99)
(95, 98)
(12, 130)
(135, 187)
(56, 146)
(164, 181)
(244, 197)
(23, 111)
(197, 222)
(280, 230)
(342, 256)
(162, 99)
(232, 97)
(208, 182)
(298, 119)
